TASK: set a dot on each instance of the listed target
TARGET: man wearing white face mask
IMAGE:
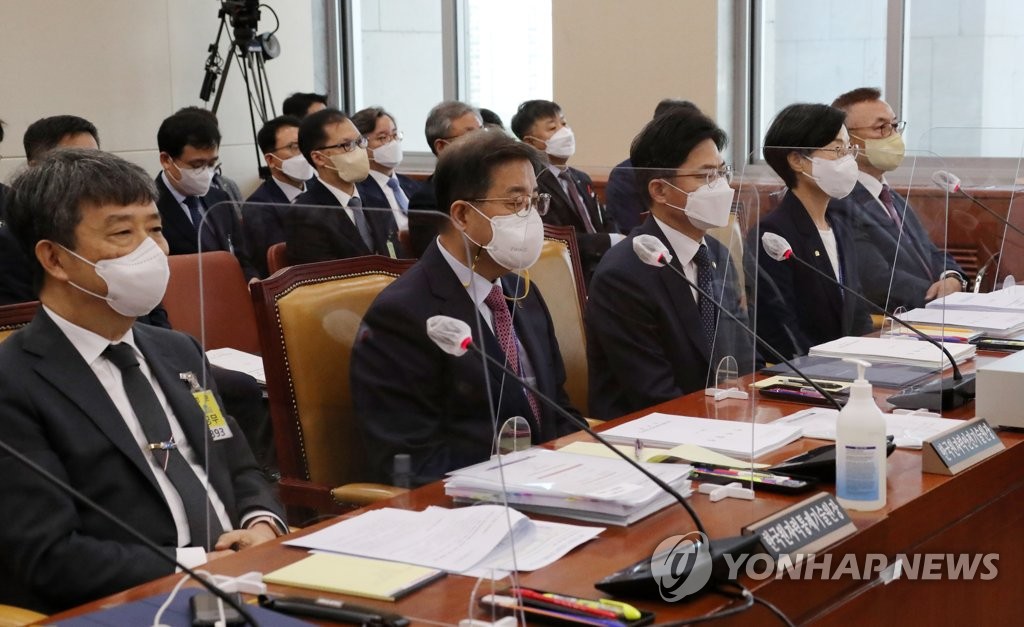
(330, 220)
(197, 217)
(808, 147)
(263, 214)
(412, 398)
(899, 264)
(97, 400)
(541, 124)
(384, 187)
(650, 336)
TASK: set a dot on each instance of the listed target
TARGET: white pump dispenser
(860, 448)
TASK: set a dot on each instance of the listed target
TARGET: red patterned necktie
(506, 335)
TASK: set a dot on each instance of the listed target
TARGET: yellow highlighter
(628, 611)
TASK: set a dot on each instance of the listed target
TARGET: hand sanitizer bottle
(860, 448)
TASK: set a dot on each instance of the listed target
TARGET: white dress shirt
(290, 191)
(177, 196)
(685, 250)
(343, 198)
(382, 179)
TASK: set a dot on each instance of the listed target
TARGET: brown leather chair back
(13, 317)
(559, 276)
(226, 310)
(308, 316)
(277, 257)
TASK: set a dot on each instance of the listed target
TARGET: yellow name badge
(215, 422)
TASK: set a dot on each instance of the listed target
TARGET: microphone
(951, 183)
(947, 394)
(117, 522)
(454, 337)
(653, 252)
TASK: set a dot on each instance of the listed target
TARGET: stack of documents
(1000, 324)
(583, 487)
(893, 350)
(1008, 299)
(470, 540)
(739, 439)
(908, 429)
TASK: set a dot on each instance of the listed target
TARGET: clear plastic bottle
(860, 448)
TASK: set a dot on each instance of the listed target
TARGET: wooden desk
(979, 511)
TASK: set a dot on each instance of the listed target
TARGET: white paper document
(233, 359)
(909, 430)
(1007, 299)
(994, 323)
(691, 453)
(738, 439)
(894, 350)
(460, 540)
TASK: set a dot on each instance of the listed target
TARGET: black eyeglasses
(522, 205)
(348, 146)
(885, 129)
(294, 147)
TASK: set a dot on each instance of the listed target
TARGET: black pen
(331, 609)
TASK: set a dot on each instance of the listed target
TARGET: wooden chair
(226, 311)
(11, 616)
(559, 276)
(277, 257)
(308, 318)
(13, 317)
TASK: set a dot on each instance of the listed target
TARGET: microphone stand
(944, 394)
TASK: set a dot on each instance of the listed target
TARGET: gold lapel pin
(817, 254)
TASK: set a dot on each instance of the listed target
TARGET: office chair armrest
(365, 493)
(11, 616)
(594, 422)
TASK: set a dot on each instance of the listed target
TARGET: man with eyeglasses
(412, 398)
(330, 220)
(197, 217)
(899, 265)
(651, 337)
(385, 187)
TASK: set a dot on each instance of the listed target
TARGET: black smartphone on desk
(205, 610)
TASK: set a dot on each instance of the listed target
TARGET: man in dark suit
(541, 124)
(650, 336)
(411, 397)
(330, 219)
(384, 188)
(100, 402)
(189, 143)
(898, 263)
(264, 211)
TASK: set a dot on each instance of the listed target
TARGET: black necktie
(704, 278)
(195, 211)
(157, 429)
(359, 217)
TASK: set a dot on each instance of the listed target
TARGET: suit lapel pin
(817, 254)
(714, 265)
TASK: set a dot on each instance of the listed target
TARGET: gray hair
(439, 120)
(45, 201)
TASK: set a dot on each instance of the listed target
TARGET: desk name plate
(804, 528)
(959, 448)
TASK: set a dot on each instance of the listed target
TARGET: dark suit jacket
(222, 225)
(562, 212)
(55, 552)
(3, 201)
(373, 195)
(424, 218)
(913, 263)
(411, 397)
(263, 221)
(15, 270)
(798, 308)
(645, 340)
(320, 230)
(623, 199)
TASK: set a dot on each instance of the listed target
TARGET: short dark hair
(492, 118)
(366, 119)
(439, 120)
(312, 133)
(667, 141)
(531, 111)
(854, 96)
(45, 134)
(803, 126)
(2, 124)
(45, 201)
(465, 168)
(669, 104)
(266, 139)
(190, 126)
(298, 103)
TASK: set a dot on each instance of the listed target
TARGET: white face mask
(516, 242)
(194, 181)
(297, 167)
(562, 144)
(708, 206)
(837, 177)
(390, 154)
(135, 282)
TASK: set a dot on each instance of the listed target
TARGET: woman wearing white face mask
(809, 148)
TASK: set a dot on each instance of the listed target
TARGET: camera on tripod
(244, 16)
